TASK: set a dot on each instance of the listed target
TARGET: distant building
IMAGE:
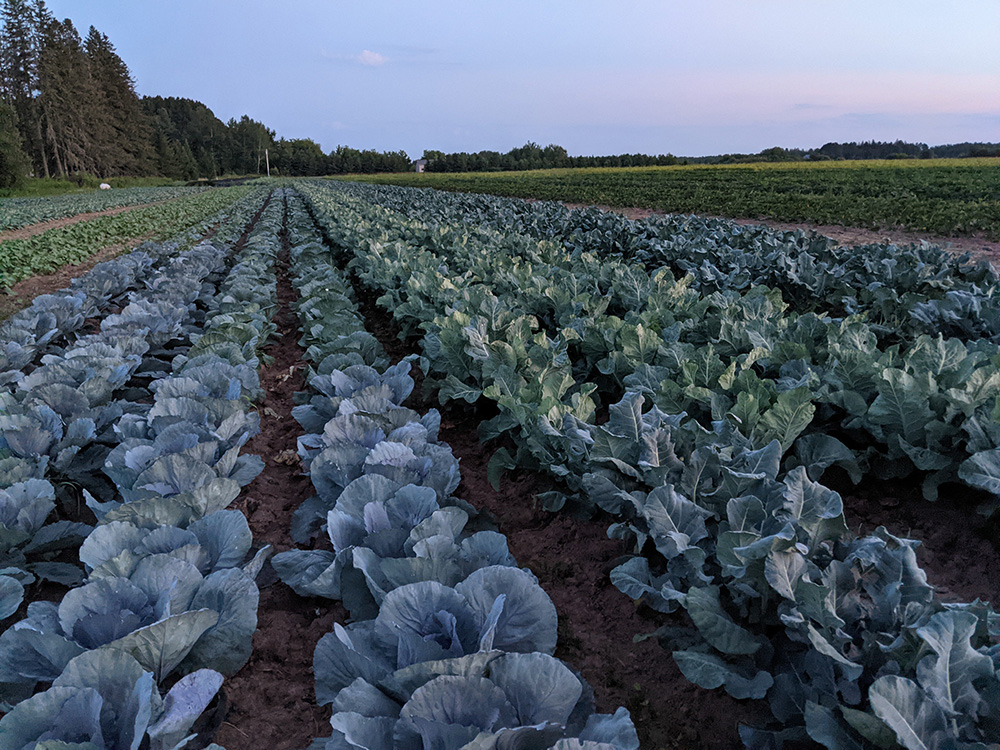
(420, 165)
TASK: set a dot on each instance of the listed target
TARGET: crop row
(546, 333)
(164, 591)
(450, 644)
(159, 402)
(52, 320)
(955, 198)
(900, 291)
(47, 252)
(842, 634)
(21, 212)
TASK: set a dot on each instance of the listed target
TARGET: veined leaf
(788, 417)
(717, 627)
(918, 722)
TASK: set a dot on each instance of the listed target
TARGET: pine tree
(192, 125)
(247, 141)
(130, 148)
(74, 121)
(21, 42)
(13, 162)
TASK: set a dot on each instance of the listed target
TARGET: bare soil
(32, 229)
(849, 236)
(959, 547)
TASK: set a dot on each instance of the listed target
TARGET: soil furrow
(272, 700)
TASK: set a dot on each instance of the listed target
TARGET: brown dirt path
(32, 229)
(850, 236)
(272, 699)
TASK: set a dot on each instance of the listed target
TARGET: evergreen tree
(75, 109)
(129, 148)
(21, 40)
(13, 162)
(75, 127)
(191, 123)
(247, 139)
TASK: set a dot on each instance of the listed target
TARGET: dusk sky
(595, 77)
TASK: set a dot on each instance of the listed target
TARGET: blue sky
(597, 77)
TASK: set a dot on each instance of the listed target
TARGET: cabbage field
(246, 501)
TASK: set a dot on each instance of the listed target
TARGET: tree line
(190, 142)
(67, 104)
(533, 156)
(855, 150)
(68, 107)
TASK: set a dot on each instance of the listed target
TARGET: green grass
(40, 187)
(951, 197)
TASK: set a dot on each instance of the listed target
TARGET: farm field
(948, 197)
(23, 257)
(20, 212)
(655, 483)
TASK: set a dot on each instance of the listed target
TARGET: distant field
(40, 187)
(951, 197)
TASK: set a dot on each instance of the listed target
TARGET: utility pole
(267, 161)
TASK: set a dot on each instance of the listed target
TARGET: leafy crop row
(20, 212)
(843, 635)
(168, 585)
(54, 319)
(950, 198)
(544, 332)
(47, 252)
(451, 644)
(900, 292)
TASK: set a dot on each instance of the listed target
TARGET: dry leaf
(287, 457)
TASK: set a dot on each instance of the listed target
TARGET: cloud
(367, 58)
(371, 59)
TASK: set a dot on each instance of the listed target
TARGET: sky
(595, 76)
